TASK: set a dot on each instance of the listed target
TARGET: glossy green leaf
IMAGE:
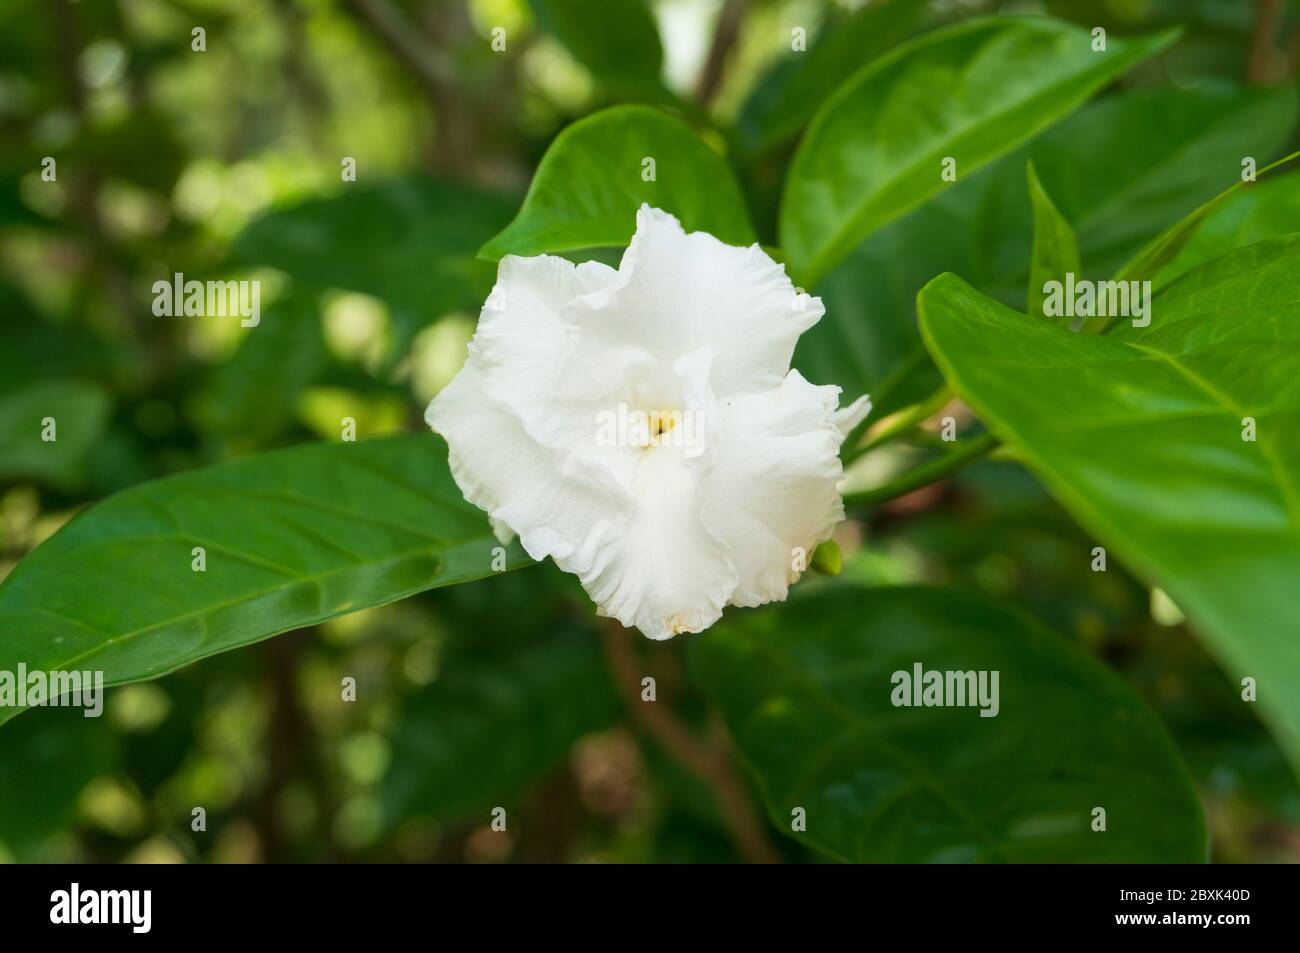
(1117, 197)
(972, 93)
(1139, 433)
(790, 93)
(808, 690)
(1161, 252)
(1265, 209)
(291, 538)
(596, 174)
(616, 39)
(71, 412)
(1056, 250)
(1189, 144)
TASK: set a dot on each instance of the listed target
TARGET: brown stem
(290, 750)
(711, 763)
(1260, 69)
(68, 39)
(306, 84)
(83, 183)
(435, 74)
(83, 188)
(725, 36)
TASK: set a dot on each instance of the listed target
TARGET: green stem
(882, 391)
(967, 451)
(903, 422)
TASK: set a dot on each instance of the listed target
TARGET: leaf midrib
(1288, 490)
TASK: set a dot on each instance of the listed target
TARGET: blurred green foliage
(227, 163)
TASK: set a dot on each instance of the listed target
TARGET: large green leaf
(788, 95)
(1189, 147)
(72, 412)
(1139, 432)
(1159, 255)
(808, 691)
(291, 538)
(616, 39)
(1264, 210)
(1117, 195)
(594, 177)
(973, 93)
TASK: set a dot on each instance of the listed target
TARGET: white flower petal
(846, 418)
(772, 486)
(664, 526)
(670, 574)
(677, 293)
(521, 347)
(521, 337)
(557, 507)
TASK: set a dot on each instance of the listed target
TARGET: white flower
(565, 425)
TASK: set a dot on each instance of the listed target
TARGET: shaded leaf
(76, 411)
(790, 93)
(808, 689)
(616, 39)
